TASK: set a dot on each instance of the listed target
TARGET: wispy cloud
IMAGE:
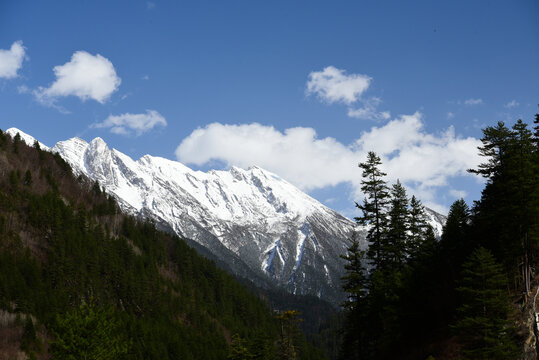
(511, 104)
(11, 60)
(128, 124)
(150, 5)
(369, 110)
(450, 115)
(333, 85)
(85, 76)
(472, 101)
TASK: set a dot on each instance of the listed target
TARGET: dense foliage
(410, 296)
(102, 284)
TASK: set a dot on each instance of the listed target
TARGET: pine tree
(16, 142)
(482, 326)
(419, 231)
(495, 147)
(238, 349)
(88, 333)
(354, 279)
(374, 206)
(506, 217)
(522, 184)
(393, 249)
(288, 322)
(454, 241)
(355, 286)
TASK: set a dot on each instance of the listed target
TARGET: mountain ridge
(263, 227)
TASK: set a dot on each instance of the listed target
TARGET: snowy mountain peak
(258, 224)
(262, 226)
(28, 139)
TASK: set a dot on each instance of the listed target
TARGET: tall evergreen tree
(482, 326)
(454, 242)
(393, 252)
(505, 220)
(419, 231)
(288, 322)
(354, 279)
(375, 205)
(522, 184)
(16, 141)
(494, 148)
(238, 349)
(355, 286)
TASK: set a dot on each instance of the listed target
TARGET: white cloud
(512, 104)
(126, 124)
(369, 110)
(334, 85)
(450, 115)
(423, 161)
(473, 101)
(150, 5)
(11, 60)
(86, 76)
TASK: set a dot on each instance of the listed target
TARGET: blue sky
(302, 88)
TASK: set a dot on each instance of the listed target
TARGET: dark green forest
(81, 280)
(465, 296)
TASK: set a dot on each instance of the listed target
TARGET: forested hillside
(78, 279)
(470, 295)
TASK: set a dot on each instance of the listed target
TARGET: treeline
(412, 297)
(82, 280)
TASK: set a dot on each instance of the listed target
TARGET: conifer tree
(374, 206)
(238, 349)
(482, 326)
(506, 217)
(523, 185)
(354, 279)
(419, 231)
(454, 241)
(288, 322)
(355, 287)
(16, 142)
(494, 148)
(394, 243)
(88, 333)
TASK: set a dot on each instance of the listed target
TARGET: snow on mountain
(28, 139)
(256, 223)
(251, 221)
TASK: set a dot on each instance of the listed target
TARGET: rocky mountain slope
(252, 221)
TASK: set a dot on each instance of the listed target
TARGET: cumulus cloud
(11, 60)
(473, 101)
(369, 110)
(512, 104)
(334, 85)
(127, 124)
(86, 76)
(423, 161)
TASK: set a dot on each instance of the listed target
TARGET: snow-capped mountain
(251, 221)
